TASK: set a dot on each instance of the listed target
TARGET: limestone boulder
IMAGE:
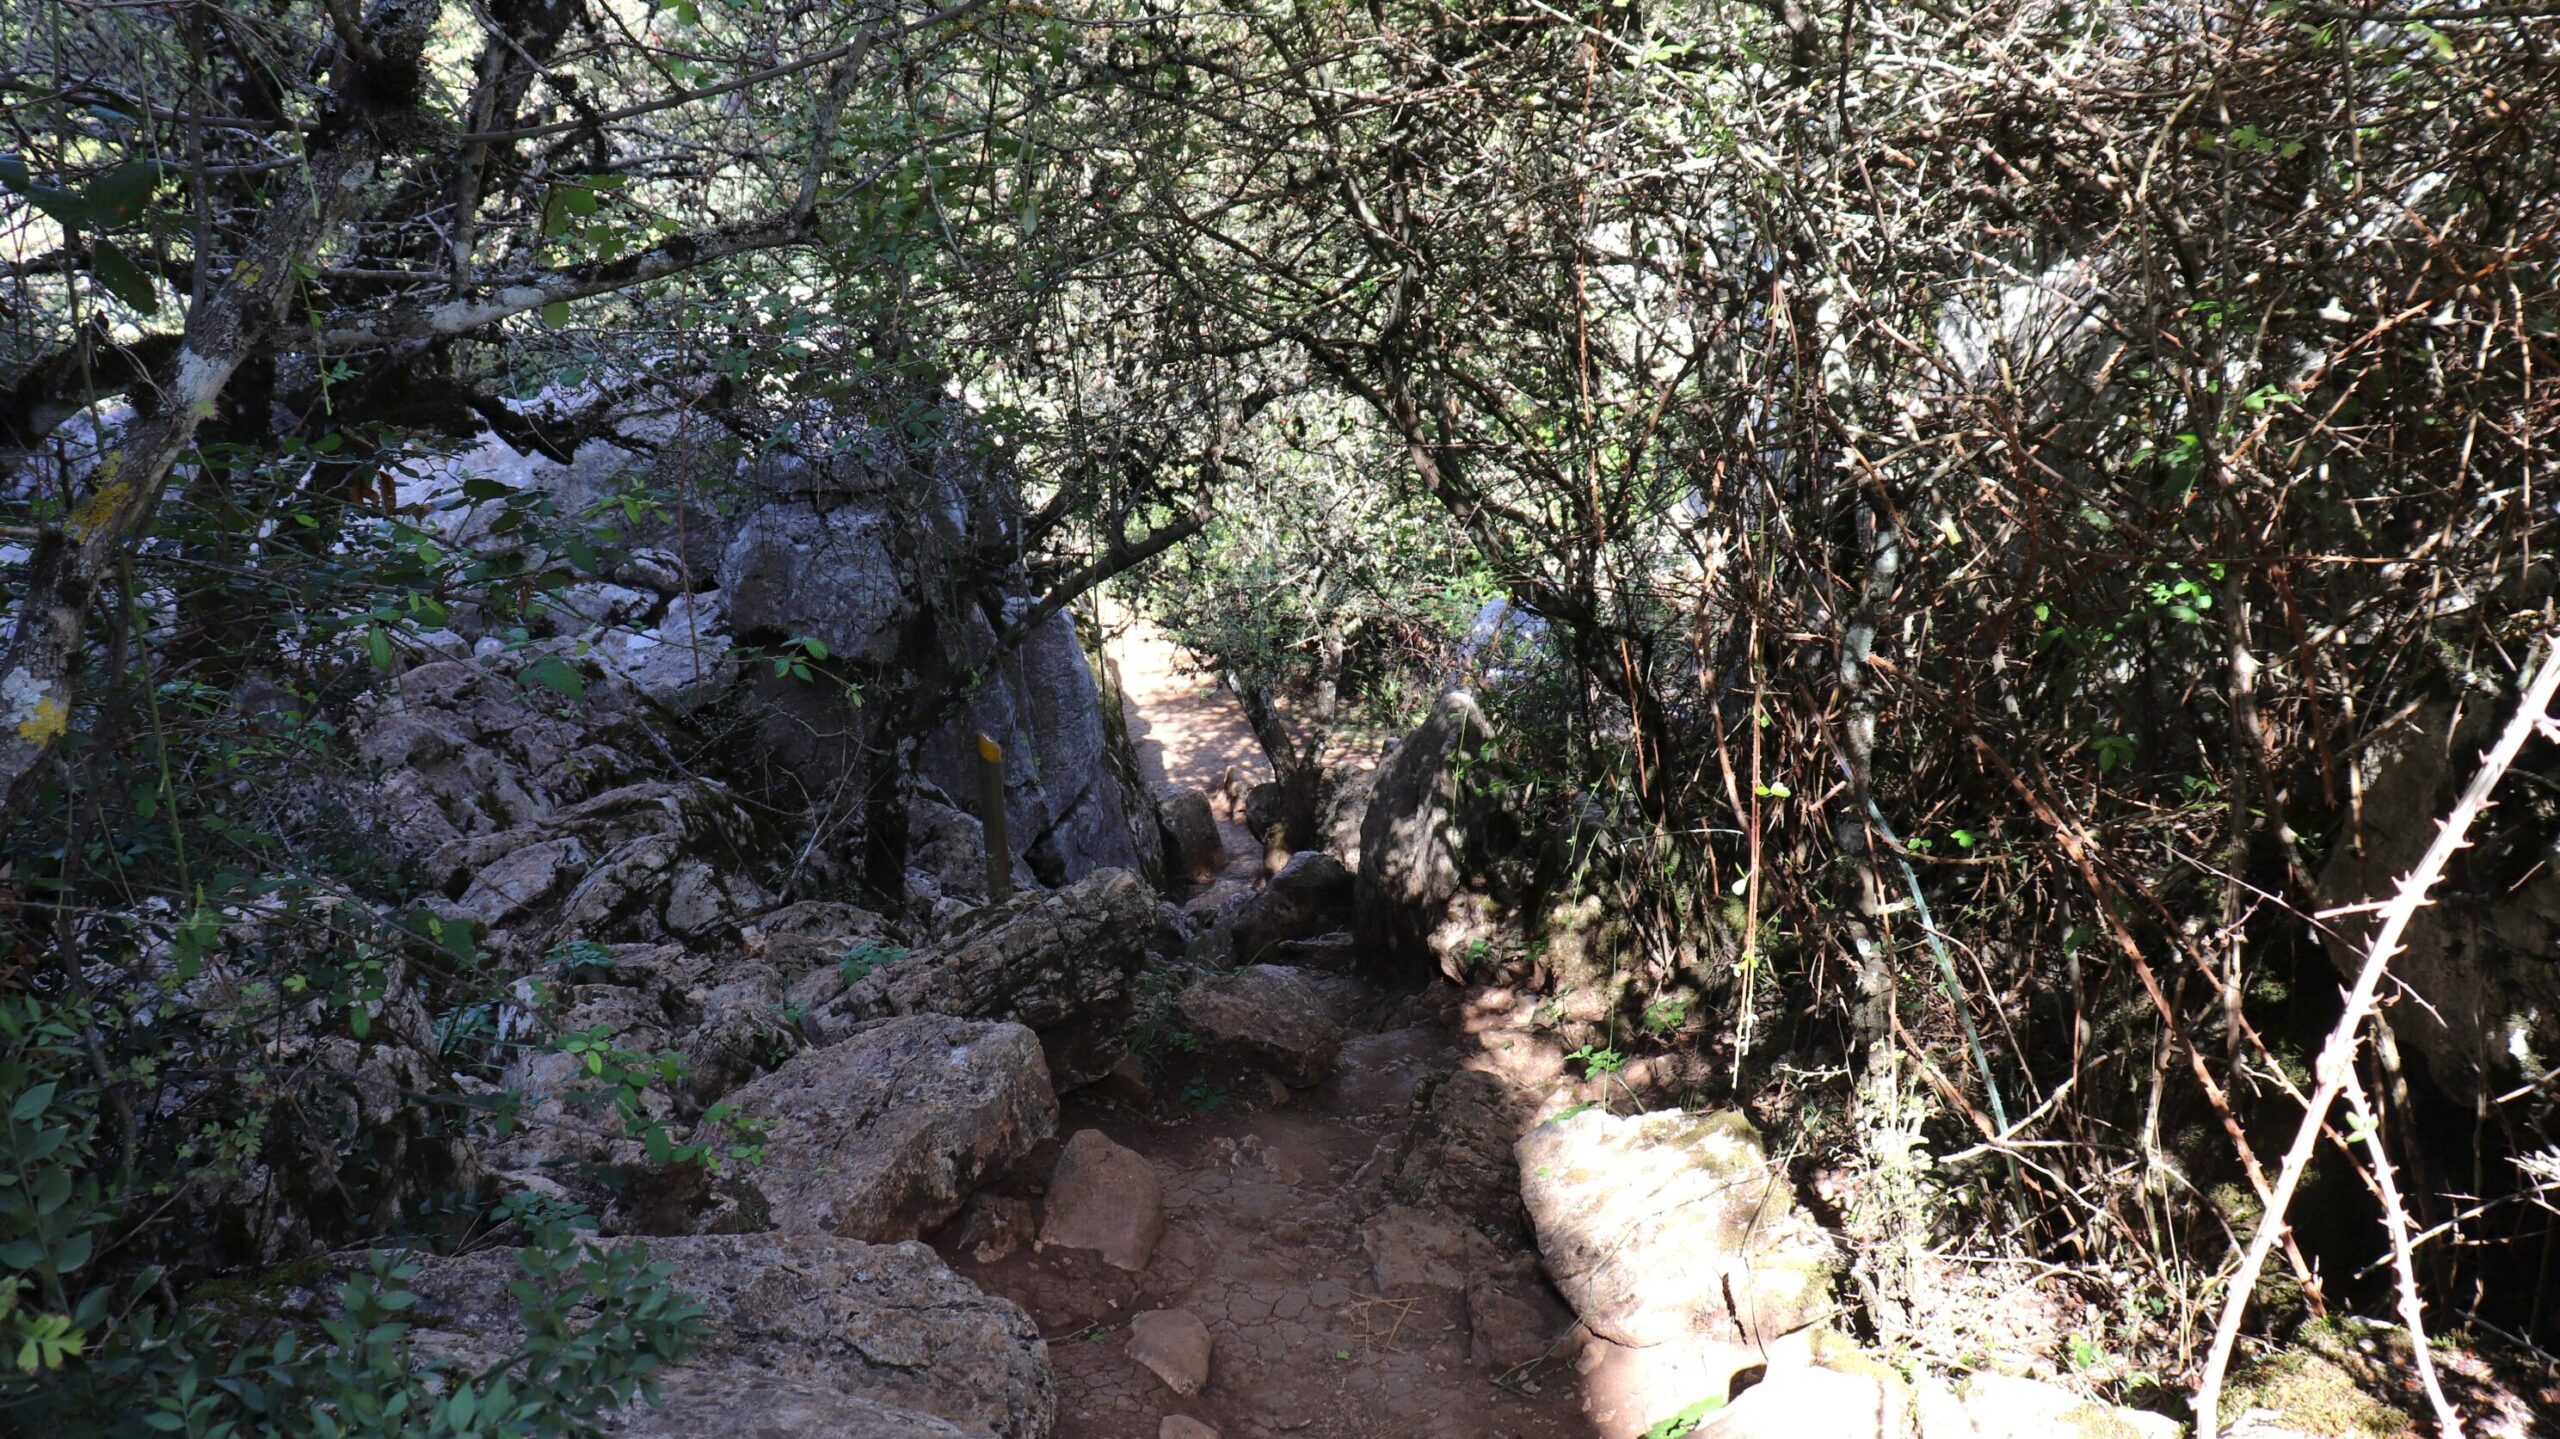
(1107, 1197)
(1175, 1346)
(802, 1334)
(2007, 1406)
(1311, 895)
(1064, 963)
(458, 748)
(1456, 1152)
(883, 1134)
(1418, 839)
(1264, 1020)
(2480, 957)
(1671, 1227)
(681, 661)
(1194, 851)
(1348, 790)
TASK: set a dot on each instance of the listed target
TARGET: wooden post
(999, 843)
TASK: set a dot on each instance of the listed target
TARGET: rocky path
(1329, 1309)
(1256, 1259)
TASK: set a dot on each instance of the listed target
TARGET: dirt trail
(1265, 1204)
(1267, 1194)
(1188, 730)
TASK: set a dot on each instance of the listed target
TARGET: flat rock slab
(1174, 1345)
(1105, 1196)
(2003, 1406)
(1796, 1403)
(1666, 1227)
(1183, 1426)
(883, 1135)
(800, 1335)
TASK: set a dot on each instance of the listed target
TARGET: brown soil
(1263, 1211)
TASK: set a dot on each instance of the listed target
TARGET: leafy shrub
(92, 1354)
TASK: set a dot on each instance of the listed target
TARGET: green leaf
(67, 209)
(553, 673)
(13, 173)
(119, 196)
(33, 1102)
(556, 313)
(71, 1253)
(578, 200)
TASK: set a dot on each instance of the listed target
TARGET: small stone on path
(1175, 1345)
(1182, 1426)
(1105, 1196)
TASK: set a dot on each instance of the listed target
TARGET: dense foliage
(1985, 478)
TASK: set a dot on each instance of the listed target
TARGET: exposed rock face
(850, 1339)
(1194, 852)
(1105, 1196)
(1793, 1403)
(1415, 843)
(2003, 1406)
(683, 661)
(1670, 1227)
(1262, 809)
(644, 862)
(2484, 956)
(947, 854)
(1311, 895)
(731, 1404)
(882, 1135)
(1264, 1019)
(852, 567)
(458, 749)
(1064, 963)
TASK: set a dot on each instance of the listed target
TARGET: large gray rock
(1346, 808)
(1456, 1152)
(1066, 813)
(2483, 957)
(857, 570)
(1263, 1019)
(947, 854)
(1194, 851)
(1415, 841)
(683, 661)
(1670, 1227)
(1064, 963)
(802, 1335)
(882, 1135)
(1311, 895)
(795, 570)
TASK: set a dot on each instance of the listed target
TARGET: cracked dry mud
(1263, 1215)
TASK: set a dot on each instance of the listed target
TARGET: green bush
(94, 1351)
